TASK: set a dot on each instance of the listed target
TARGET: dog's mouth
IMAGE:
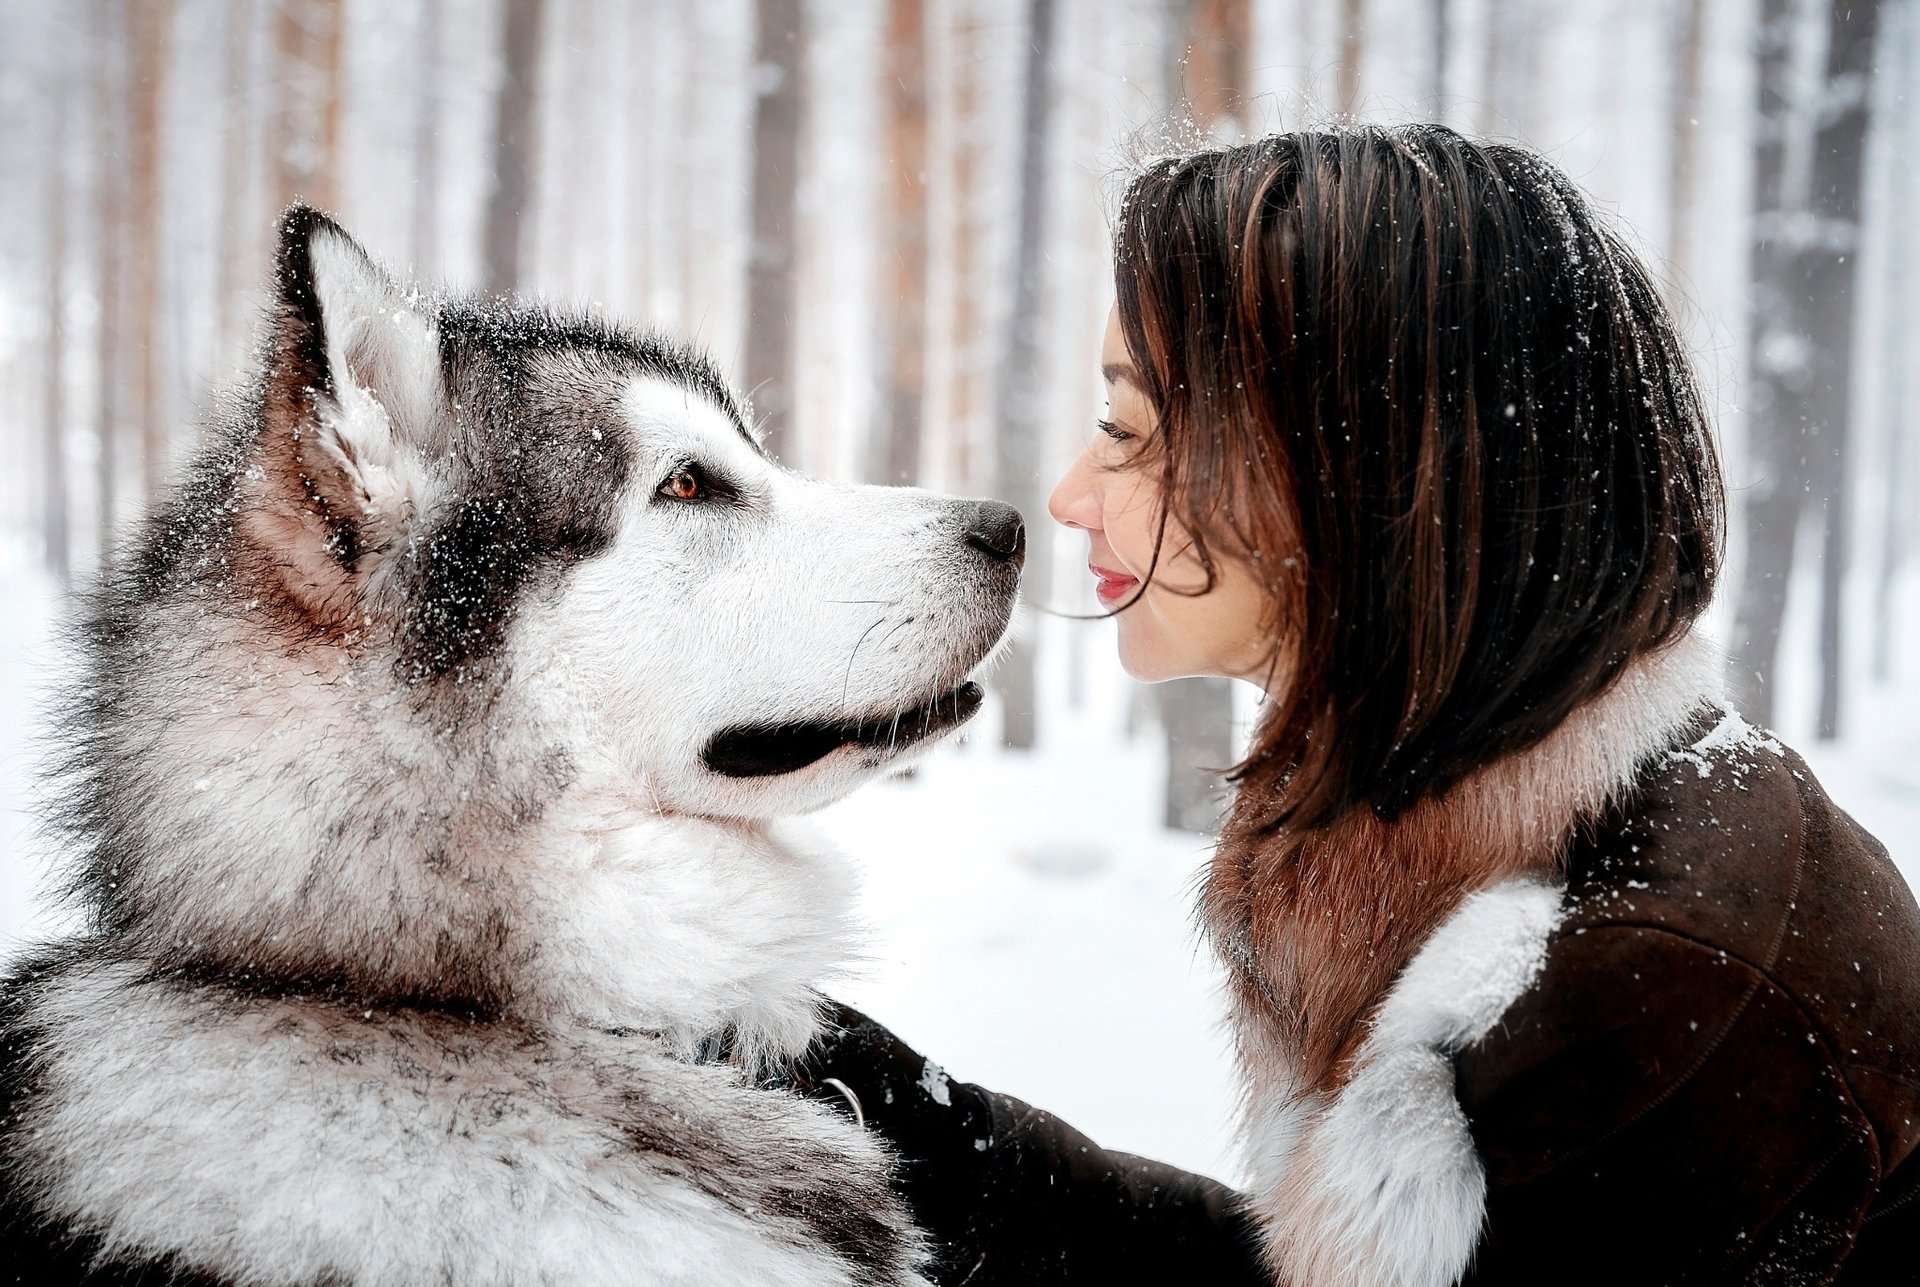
(768, 750)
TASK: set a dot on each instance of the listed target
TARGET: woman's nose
(1074, 502)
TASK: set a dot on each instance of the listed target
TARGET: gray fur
(397, 949)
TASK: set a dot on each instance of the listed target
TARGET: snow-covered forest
(887, 219)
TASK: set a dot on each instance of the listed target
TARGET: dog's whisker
(846, 681)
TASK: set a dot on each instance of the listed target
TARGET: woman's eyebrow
(1118, 371)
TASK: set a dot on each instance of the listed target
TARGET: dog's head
(510, 502)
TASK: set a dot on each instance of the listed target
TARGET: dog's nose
(997, 531)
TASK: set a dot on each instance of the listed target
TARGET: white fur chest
(684, 926)
(278, 1141)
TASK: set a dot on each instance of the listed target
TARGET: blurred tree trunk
(779, 87)
(53, 506)
(1778, 362)
(1897, 371)
(1493, 43)
(426, 143)
(234, 228)
(1509, 67)
(576, 259)
(642, 171)
(1442, 49)
(149, 29)
(894, 444)
(1807, 180)
(109, 123)
(1839, 167)
(1196, 715)
(1019, 398)
(510, 199)
(307, 40)
(965, 396)
(1212, 62)
(1685, 133)
(684, 217)
(1353, 48)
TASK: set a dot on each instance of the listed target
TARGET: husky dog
(419, 793)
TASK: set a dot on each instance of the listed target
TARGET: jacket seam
(1889, 1075)
(1904, 1200)
(1763, 974)
(1826, 1163)
(1672, 1088)
(1760, 978)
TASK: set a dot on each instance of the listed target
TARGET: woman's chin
(1149, 660)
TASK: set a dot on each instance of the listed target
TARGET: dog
(421, 795)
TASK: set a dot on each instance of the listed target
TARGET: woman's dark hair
(1441, 409)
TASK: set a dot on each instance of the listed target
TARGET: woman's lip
(1111, 584)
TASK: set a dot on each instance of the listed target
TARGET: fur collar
(1361, 956)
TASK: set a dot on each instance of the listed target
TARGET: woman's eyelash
(1112, 430)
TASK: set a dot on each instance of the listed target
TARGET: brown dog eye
(683, 485)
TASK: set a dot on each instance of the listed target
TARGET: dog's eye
(684, 484)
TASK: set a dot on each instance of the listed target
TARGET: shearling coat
(1687, 1052)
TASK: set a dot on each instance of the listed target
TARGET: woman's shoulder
(1729, 837)
(1731, 854)
(1730, 945)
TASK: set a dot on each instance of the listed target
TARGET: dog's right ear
(352, 396)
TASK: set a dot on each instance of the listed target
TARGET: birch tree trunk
(779, 88)
(894, 443)
(1019, 397)
(510, 199)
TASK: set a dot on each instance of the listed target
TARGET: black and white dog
(418, 794)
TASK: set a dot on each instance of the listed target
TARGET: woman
(1544, 967)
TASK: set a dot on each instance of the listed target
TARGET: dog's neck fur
(323, 825)
(1314, 927)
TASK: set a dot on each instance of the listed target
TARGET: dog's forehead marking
(656, 405)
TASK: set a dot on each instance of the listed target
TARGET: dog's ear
(352, 398)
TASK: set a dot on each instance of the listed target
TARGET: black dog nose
(997, 531)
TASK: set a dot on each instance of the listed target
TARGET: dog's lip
(769, 750)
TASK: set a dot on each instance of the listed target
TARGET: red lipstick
(1112, 585)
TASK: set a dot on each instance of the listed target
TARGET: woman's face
(1166, 633)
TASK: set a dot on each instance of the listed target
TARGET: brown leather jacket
(1715, 1078)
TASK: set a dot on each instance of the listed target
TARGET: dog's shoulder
(158, 1129)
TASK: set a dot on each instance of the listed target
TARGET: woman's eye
(683, 484)
(1113, 431)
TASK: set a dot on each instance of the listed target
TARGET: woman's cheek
(1131, 522)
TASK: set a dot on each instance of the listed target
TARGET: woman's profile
(1543, 965)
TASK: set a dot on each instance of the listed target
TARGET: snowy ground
(1030, 921)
